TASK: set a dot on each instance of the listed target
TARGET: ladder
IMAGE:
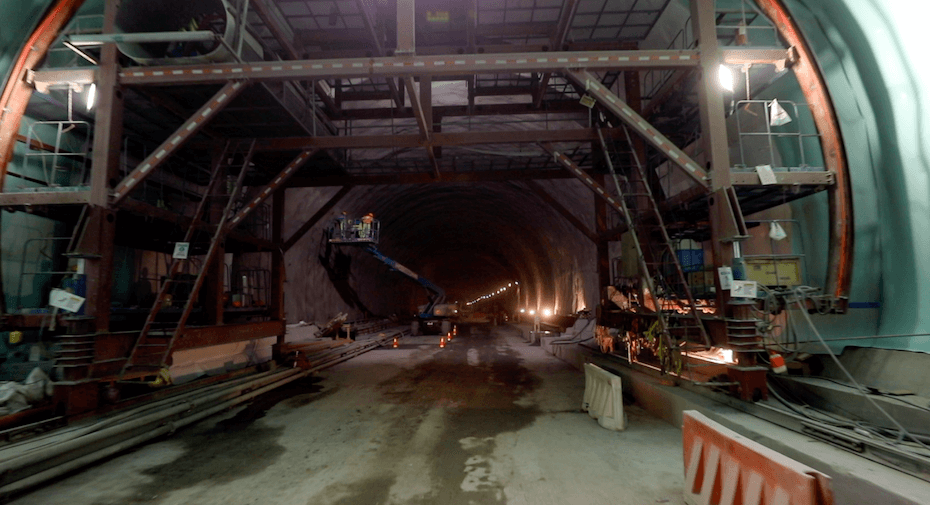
(678, 319)
(152, 349)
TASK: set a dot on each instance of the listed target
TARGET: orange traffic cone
(442, 342)
(449, 337)
(395, 342)
(455, 330)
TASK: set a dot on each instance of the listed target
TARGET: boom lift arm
(437, 294)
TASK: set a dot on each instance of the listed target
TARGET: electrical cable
(876, 392)
(902, 432)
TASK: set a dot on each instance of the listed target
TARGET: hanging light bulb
(91, 96)
(726, 77)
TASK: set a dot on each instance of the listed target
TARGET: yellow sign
(437, 16)
(774, 271)
(16, 337)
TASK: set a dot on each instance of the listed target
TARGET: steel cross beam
(424, 121)
(438, 139)
(626, 114)
(427, 178)
(403, 66)
(589, 181)
(177, 139)
(271, 187)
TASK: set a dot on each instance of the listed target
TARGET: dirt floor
(486, 420)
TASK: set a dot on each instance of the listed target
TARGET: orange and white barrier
(723, 467)
(603, 397)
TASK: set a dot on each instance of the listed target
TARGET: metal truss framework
(577, 65)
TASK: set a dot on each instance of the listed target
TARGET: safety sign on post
(181, 250)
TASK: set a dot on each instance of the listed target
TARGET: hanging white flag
(779, 115)
(776, 232)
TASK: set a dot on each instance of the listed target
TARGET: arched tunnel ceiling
(467, 238)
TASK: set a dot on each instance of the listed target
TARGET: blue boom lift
(432, 317)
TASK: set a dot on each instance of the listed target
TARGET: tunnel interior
(758, 193)
(470, 240)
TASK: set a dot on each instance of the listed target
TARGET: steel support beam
(564, 212)
(304, 228)
(558, 40)
(274, 20)
(438, 139)
(177, 139)
(99, 230)
(16, 91)
(724, 224)
(278, 274)
(615, 105)
(28, 199)
(206, 336)
(582, 176)
(406, 28)
(277, 183)
(424, 115)
(429, 178)
(402, 66)
(108, 118)
(378, 49)
(552, 107)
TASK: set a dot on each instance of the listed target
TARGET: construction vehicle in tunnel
(433, 317)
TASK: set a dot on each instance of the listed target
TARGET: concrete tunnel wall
(469, 239)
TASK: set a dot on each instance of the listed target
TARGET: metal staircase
(679, 323)
(152, 349)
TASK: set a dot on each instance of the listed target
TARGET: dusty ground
(486, 420)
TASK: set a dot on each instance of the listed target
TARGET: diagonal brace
(304, 228)
(567, 214)
(619, 108)
(177, 139)
(589, 181)
(269, 189)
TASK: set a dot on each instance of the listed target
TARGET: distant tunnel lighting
(532, 312)
(726, 78)
(523, 311)
(547, 312)
(509, 284)
(91, 96)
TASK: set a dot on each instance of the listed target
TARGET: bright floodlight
(726, 78)
(91, 96)
(522, 311)
(532, 312)
(547, 312)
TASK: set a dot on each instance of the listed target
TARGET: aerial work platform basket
(365, 230)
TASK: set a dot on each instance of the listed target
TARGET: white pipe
(44, 454)
(266, 382)
(82, 461)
